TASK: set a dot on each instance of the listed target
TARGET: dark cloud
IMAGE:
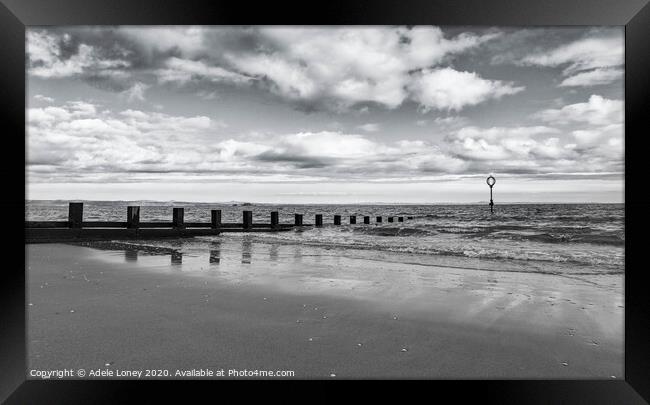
(301, 161)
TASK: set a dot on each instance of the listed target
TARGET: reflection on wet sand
(177, 258)
(297, 253)
(215, 252)
(130, 255)
(273, 252)
(215, 256)
(246, 247)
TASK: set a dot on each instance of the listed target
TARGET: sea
(578, 239)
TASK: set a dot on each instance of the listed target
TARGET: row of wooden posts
(75, 220)
(337, 219)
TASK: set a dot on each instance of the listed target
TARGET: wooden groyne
(75, 228)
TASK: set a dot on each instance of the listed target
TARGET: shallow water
(571, 239)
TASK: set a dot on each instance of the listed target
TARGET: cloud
(81, 108)
(538, 150)
(165, 39)
(361, 72)
(288, 79)
(596, 130)
(595, 137)
(353, 155)
(370, 127)
(78, 141)
(43, 98)
(505, 143)
(207, 95)
(495, 133)
(593, 78)
(315, 68)
(155, 121)
(231, 149)
(583, 54)
(347, 66)
(333, 145)
(452, 90)
(587, 61)
(184, 70)
(53, 114)
(299, 161)
(75, 141)
(450, 120)
(596, 111)
(582, 138)
(47, 58)
(136, 92)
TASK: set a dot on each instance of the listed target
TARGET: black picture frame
(633, 14)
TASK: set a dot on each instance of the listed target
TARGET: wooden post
(390, 219)
(248, 219)
(133, 217)
(215, 219)
(178, 218)
(319, 220)
(366, 220)
(353, 219)
(275, 219)
(298, 219)
(75, 215)
(337, 220)
(378, 219)
(400, 219)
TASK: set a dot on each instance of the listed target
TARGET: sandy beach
(319, 312)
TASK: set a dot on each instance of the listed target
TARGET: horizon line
(333, 203)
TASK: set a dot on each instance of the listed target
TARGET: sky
(295, 114)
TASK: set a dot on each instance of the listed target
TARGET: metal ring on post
(491, 181)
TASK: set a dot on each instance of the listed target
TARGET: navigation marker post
(490, 182)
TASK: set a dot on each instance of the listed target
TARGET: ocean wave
(611, 239)
(391, 231)
(525, 218)
(613, 262)
(511, 232)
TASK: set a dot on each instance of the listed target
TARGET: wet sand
(321, 313)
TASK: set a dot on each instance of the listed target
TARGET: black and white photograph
(325, 202)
